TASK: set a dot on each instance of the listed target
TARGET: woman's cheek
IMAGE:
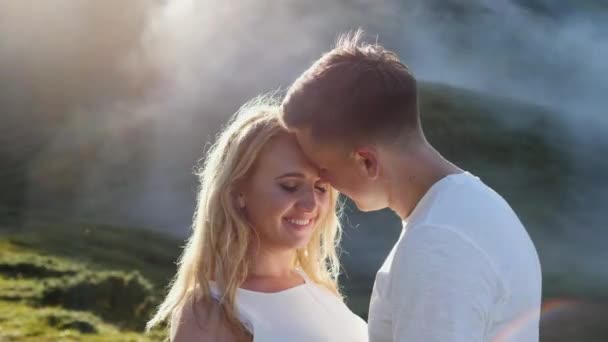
(282, 200)
(323, 201)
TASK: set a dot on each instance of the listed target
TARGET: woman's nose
(308, 202)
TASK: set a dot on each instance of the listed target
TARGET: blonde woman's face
(284, 197)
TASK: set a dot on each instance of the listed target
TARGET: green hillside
(82, 283)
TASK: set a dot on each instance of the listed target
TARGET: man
(464, 267)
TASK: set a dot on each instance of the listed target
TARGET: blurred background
(106, 107)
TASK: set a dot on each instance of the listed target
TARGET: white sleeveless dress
(305, 313)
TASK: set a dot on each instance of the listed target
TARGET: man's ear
(367, 160)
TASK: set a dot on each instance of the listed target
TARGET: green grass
(20, 289)
(78, 283)
(104, 247)
(24, 323)
(125, 299)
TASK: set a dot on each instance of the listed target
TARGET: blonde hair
(218, 247)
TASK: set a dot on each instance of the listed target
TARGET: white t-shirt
(463, 269)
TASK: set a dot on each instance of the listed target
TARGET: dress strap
(304, 275)
(216, 295)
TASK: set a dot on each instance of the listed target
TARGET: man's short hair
(355, 92)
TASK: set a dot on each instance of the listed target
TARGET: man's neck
(411, 175)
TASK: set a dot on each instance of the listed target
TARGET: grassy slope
(21, 322)
(38, 258)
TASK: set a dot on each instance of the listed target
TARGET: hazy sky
(109, 84)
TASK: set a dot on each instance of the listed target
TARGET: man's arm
(443, 287)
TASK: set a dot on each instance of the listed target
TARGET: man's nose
(324, 175)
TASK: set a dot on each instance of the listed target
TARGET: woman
(261, 264)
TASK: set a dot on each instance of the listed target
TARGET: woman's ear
(238, 194)
(367, 160)
(240, 200)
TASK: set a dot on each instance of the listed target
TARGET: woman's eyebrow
(291, 175)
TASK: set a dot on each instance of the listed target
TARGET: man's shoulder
(469, 210)
(432, 246)
(459, 199)
(426, 236)
(441, 256)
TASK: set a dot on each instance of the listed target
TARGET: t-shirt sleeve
(443, 287)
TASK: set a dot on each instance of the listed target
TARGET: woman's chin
(298, 242)
(298, 238)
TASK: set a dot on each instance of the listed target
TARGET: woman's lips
(299, 223)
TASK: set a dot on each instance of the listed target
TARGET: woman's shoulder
(202, 320)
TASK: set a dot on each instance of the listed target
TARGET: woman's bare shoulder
(199, 320)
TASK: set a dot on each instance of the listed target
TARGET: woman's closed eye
(322, 188)
(289, 187)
